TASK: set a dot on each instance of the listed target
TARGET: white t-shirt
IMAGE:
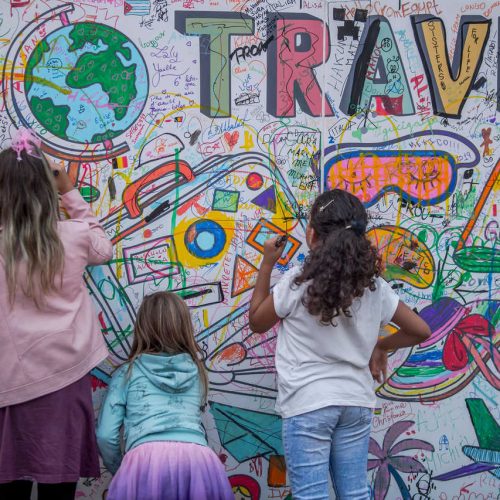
(319, 365)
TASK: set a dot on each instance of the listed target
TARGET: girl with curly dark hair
(328, 353)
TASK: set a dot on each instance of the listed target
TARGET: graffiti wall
(197, 129)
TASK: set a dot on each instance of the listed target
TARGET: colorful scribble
(197, 129)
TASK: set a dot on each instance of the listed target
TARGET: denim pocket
(365, 415)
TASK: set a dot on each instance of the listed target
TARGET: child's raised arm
(100, 249)
(110, 421)
(263, 315)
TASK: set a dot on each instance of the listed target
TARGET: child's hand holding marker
(61, 177)
(281, 239)
(273, 248)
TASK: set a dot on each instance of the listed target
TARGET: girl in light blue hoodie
(157, 397)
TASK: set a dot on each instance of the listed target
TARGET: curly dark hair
(342, 263)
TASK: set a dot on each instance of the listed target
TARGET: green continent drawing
(53, 118)
(104, 68)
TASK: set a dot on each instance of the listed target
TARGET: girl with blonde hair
(49, 332)
(157, 397)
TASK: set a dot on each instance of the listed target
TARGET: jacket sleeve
(100, 249)
(110, 421)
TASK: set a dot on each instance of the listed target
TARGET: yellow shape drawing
(183, 233)
(453, 90)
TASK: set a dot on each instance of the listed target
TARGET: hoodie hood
(177, 373)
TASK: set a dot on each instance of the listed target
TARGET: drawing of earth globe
(86, 83)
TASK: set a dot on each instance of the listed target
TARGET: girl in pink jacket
(49, 335)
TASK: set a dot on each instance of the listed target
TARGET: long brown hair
(29, 211)
(343, 263)
(163, 324)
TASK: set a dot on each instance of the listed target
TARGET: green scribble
(439, 289)
(478, 259)
(176, 197)
(465, 204)
(120, 335)
(405, 371)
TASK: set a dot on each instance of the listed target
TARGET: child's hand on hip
(273, 248)
(378, 364)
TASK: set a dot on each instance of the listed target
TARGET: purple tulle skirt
(167, 470)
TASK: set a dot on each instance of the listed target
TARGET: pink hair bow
(26, 140)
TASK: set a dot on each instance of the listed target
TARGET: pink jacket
(43, 350)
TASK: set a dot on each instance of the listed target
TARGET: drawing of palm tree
(389, 461)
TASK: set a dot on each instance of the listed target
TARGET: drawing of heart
(231, 138)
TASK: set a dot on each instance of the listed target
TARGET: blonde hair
(163, 324)
(29, 211)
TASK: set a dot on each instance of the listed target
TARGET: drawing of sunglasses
(421, 167)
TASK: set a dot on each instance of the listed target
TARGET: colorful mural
(197, 129)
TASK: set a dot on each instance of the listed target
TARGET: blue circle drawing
(205, 239)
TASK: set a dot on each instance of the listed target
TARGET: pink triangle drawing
(266, 199)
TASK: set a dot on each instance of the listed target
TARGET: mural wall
(196, 129)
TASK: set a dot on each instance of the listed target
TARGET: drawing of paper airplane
(246, 433)
(486, 456)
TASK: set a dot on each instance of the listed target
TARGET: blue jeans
(334, 438)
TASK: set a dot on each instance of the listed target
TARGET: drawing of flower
(389, 462)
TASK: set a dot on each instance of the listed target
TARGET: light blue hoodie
(159, 401)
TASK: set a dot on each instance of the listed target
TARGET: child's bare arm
(413, 330)
(262, 315)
